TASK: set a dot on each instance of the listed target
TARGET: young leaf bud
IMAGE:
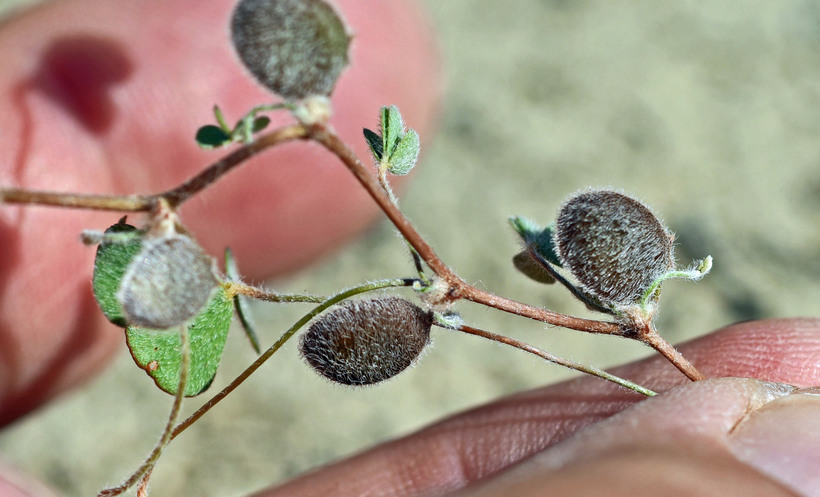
(368, 341)
(295, 48)
(167, 283)
(613, 245)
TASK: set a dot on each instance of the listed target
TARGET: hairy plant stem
(367, 287)
(322, 134)
(233, 288)
(645, 332)
(557, 360)
(459, 289)
(142, 474)
(174, 197)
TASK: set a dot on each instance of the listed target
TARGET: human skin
(104, 97)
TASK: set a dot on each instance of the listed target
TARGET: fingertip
(782, 350)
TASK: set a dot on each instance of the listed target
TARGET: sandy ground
(707, 111)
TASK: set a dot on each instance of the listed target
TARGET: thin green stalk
(367, 287)
(556, 359)
(235, 288)
(143, 472)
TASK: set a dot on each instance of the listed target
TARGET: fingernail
(782, 440)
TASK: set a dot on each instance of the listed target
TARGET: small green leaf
(220, 119)
(405, 155)
(532, 268)
(210, 136)
(158, 351)
(537, 238)
(260, 123)
(374, 141)
(525, 228)
(544, 244)
(241, 302)
(391, 128)
(241, 131)
(110, 265)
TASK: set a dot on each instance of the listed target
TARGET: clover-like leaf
(256, 124)
(112, 260)
(405, 155)
(158, 351)
(210, 136)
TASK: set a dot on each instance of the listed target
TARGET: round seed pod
(295, 48)
(167, 283)
(613, 245)
(367, 341)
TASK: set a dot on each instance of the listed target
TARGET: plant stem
(645, 332)
(557, 360)
(142, 474)
(123, 203)
(212, 173)
(234, 288)
(368, 287)
(174, 197)
(459, 289)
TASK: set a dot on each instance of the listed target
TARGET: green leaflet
(158, 351)
(112, 261)
(393, 148)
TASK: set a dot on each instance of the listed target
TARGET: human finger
(105, 97)
(475, 445)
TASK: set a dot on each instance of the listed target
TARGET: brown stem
(647, 334)
(334, 144)
(209, 176)
(577, 366)
(483, 297)
(173, 197)
(122, 203)
(458, 287)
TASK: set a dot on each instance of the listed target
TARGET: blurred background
(706, 111)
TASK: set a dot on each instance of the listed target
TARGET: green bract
(538, 245)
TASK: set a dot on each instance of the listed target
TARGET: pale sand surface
(707, 111)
